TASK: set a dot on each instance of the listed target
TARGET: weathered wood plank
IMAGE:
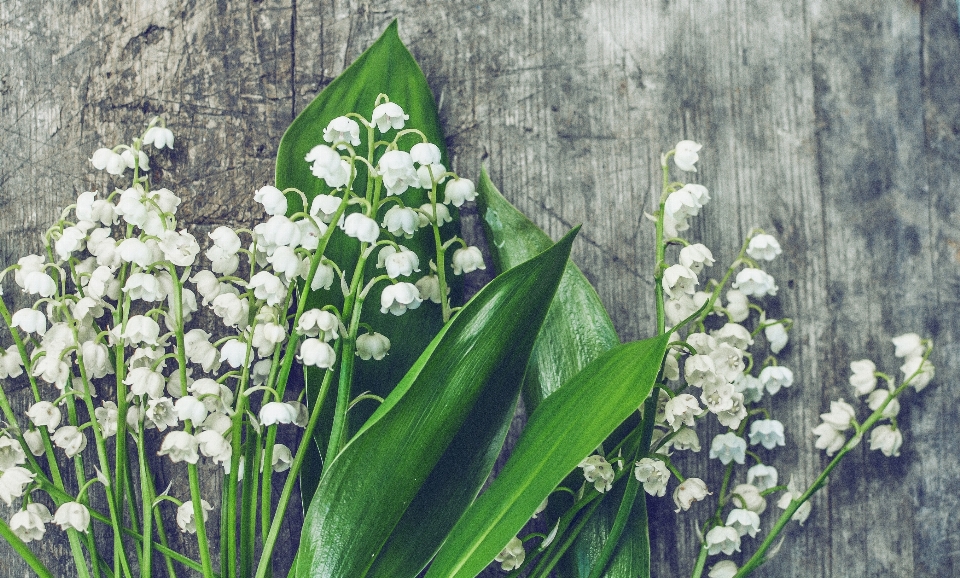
(833, 125)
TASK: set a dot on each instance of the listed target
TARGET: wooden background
(834, 124)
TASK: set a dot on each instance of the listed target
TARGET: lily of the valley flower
(72, 515)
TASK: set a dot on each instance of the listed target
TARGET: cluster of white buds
(119, 283)
(833, 432)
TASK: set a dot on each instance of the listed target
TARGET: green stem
(23, 551)
(292, 475)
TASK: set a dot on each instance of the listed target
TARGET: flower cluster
(120, 281)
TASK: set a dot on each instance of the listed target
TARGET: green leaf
(566, 427)
(387, 67)
(576, 331)
(405, 455)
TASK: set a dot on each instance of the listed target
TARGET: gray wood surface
(835, 125)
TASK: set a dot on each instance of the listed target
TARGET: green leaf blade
(566, 427)
(367, 489)
(387, 67)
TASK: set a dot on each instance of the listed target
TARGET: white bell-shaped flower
(681, 205)
(234, 352)
(401, 221)
(191, 408)
(11, 454)
(685, 155)
(429, 288)
(107, 415)
(273, 200)
(399, 297)
(886, 439)
(763, 248)
(767, 432)
(186, 519)
(180, 248)
(71, 240)
(425, 153)
(744, 521)
(319, 323)
(597, 471)
(106, 159)
(180, 447)
(430, 175)
(232, 309)
(276, 412)
(722, 539)
(398, 263)
(342, 129)
(396, 168)
(372, 346)
(459, 191)
(145, 381)
(755, 282)
(12, 483)
(863, 379)
(30, 321)
(324, 207)
(70, 439)
(316, 353)
(213, 445)
(908, 345)
(268, 287)
(39, 283)
(762, 476)
(696, 257)
(136, 159)
(328, 165)
(654, 475)
(512, 555)
(72, 515)
(28, 524)
(467, 260)
(44, 413)
(689, 491)
(774, 377)
(389, 115)
(361, 227)
(34, 441)
(159, 137)
(777, 336)
(728, 447)
(161, 414)
(282, 458)
(678, 280)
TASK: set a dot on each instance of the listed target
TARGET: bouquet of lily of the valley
(138, 343)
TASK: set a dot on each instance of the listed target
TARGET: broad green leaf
(386, 67)
(563, 430)
(576, 331)
(388, 467)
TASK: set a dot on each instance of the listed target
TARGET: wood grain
(833, 125)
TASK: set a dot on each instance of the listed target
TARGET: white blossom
(268, 287)
(685, 155)
(908, 345)
(841, 416)
(361, 227)
(11, 454)
(700, 370)
(744, 521)
(863, 379)
(776, 334)
(401, 221)
(341, 130)
(755, 282)
(767, 432)
(324, 207)
(372, 346)
(654, 475)
(140, 329)
(399, 297)
(319, 323)
(39, 283)
(775, 377)
(426, 214)
(273, 200)
(107, 415)
(28, 524)
(70, 439)
(430, 175)
(735, 335)
(145, 381)
(681, 205)
(398, 263)
(72, 515)
(282, 458)
(762, 476)
(180, 446)
(728, 447)
(467, 260)
(681, 410)
(748, 496)
(328, 165)
(829, 438)
(792, 493)
(396, 168)
(276, 412)
(389, 115)
(44, 413)
(186, 519)
(723, 569)
(316, 353)
(139, 160)
(232, 309)
(678, 280)
(876, 399)
(696, 257)
(763, 248)
(738, 305)
(886, 439)
(459, 191)
(161, 414)
(919, 371)
(179, 248)
(105, 158)
(512, 555)
(159, 137)
(34, 441)
(723, 539)
(425, 153)
(689, 491)
(597, 471)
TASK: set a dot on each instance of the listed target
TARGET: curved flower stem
(23, 551)
(271, 538)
